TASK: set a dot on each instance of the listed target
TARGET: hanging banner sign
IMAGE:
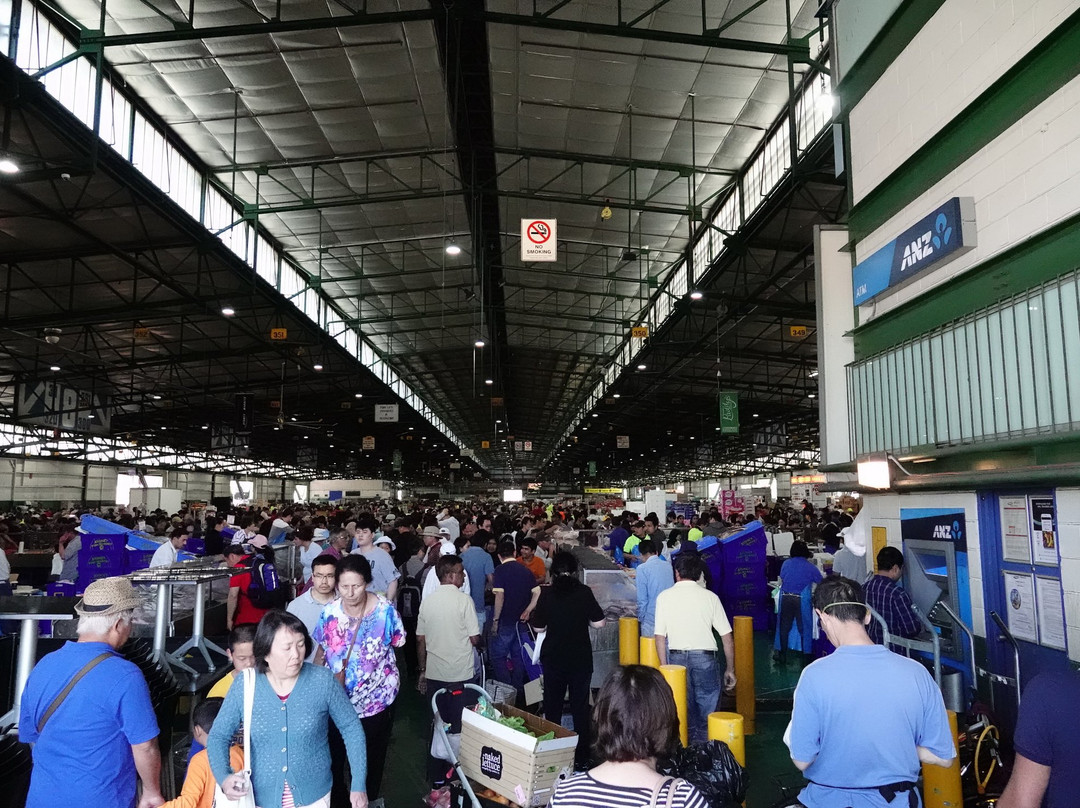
(640, 332)
(279, 333)
(538, 240)
(798, 331)
(528, 446)
(519, 446)
(57, 405)
(622, 441)
(940, 236)
(386, 413)
(729, 413)
(485, 444)
(368, 443)
(603, 490)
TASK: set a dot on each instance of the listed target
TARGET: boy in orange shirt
(198, 790)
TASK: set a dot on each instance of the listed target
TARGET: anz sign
(943, 234)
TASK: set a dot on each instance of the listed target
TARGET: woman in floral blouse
(357, 635)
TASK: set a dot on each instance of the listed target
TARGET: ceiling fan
(291, 419)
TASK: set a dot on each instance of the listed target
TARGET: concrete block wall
(962, 50)
(884, 511)
(1024, 181)
(1068, 514)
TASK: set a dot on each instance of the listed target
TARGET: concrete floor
(767, 757)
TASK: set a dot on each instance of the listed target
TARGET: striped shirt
(582, 791)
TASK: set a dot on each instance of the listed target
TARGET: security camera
(52, 335)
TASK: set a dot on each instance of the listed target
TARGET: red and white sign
(730, 503)
(538, 240)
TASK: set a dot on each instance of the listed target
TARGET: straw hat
(431, 530)
(108, 596)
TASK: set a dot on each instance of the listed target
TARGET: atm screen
(933, 564)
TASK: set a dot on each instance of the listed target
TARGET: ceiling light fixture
(489, 381)
(228, 311)
(316, 367)
(358, 395)
(641, 367)
(696, 295)
(205, 426)
(617, 395)
(452, 248)
(54, 368)
(156, 398)
(9, 166)
(479, 343)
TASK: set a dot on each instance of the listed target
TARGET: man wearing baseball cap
(87, 711)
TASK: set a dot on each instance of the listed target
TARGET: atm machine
(930, 577)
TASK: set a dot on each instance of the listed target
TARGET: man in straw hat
(87, 711)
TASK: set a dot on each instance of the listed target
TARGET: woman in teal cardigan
(290, 754)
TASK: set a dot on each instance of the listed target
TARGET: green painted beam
(883, 50)
(1049, 254)
(1047, 68)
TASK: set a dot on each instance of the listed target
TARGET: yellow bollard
(647, 653)
(676, 679)
(628, 641)
(744, 672)
(728, 727)
(941, 786)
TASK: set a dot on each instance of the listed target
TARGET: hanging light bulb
(453, 249)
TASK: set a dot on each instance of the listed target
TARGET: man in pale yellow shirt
(686, 616)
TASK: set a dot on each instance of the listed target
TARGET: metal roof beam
(188, 33)
(798, 50)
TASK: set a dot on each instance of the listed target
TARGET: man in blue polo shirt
(516, 593)
(92, 742)
(863, 746)
(1047, 768)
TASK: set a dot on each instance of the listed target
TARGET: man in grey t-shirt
(384, 575)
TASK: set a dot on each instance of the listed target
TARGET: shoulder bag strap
(654, 800)
(673, 784)
(249, 702)
(89, 666)
(348, 654)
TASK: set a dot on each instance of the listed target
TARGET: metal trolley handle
(439, 728)
(1007, 636)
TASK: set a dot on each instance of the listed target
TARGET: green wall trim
(1045, 256)
(883, 50)
(1039, 74)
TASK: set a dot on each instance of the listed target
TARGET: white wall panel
(963, 49)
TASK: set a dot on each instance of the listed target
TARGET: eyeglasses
(322, 577)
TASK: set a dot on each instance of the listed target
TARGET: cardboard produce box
(511, 763)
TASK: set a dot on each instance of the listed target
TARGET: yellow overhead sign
(603, 490)
(279, 333)
(639, 332)
(798, 331)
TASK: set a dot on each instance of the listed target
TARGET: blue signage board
(939, 236)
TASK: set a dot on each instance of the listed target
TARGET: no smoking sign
(538, 240)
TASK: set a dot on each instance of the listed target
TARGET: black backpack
(408, 597)
(266, 590)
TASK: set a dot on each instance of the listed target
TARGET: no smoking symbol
(538, 232)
